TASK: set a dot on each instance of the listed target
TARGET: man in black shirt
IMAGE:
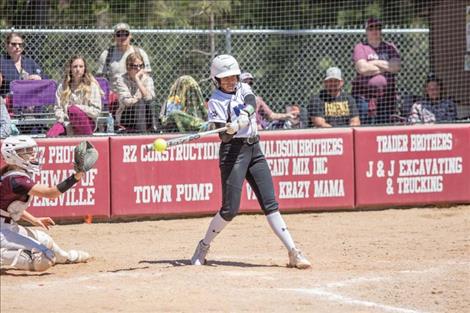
(333, 107)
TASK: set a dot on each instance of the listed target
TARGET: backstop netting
(287, 46)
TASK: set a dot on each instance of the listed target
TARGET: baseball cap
(333, 73)
(432, 78)
(121, 27)
(246, 75)
(373, 22)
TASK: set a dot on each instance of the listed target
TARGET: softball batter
(240, 157)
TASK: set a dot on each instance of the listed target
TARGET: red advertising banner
(183, 179)
(311, 170)
(89, 197)
(412, 165)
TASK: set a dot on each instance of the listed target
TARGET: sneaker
(77, 256)
(199, 257)
(298, 260)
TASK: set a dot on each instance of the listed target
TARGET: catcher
(26, 248)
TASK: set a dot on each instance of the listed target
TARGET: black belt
(247, 140)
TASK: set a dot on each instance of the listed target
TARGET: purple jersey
(14, 186)
(377, 85)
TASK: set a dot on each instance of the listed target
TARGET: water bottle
(110, 123)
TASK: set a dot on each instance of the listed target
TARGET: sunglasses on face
(376, 27)
(16, 44)
(136, 66)
(250, 82)
(122, 34)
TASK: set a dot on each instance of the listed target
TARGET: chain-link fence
(289, 66)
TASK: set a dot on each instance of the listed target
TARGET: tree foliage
(207, 14)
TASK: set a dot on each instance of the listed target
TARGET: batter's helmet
(223, 66)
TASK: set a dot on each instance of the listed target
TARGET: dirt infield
(406, 261)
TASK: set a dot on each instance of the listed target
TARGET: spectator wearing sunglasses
(136, 92)
(15, 65)
(112, 62)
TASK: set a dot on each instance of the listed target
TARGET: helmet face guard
(23, 152)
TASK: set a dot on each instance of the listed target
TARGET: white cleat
(78, 256)
(199, 256)
(298, 260)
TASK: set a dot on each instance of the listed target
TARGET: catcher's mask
(23, 152)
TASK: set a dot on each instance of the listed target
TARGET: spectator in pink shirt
(376, 62)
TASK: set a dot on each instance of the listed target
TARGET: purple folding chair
(32, 100)
(32, 94)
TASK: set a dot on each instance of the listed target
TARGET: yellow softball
(159, 145)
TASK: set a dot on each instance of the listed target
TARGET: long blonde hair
(84, 86)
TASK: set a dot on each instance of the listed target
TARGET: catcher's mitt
(85, 157)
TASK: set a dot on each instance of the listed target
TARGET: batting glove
(243, 120)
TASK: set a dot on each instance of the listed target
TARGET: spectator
(434, 107)
(333, 107)
(78, 101)
(6, 126)
(112, 62)
(15, 65)
(184, 109)
(376, 62)
(5, 121)
(264, 115)
(295, 122)
(136, 92)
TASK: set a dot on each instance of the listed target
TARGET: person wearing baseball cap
(247, 78)
(376, 62)
(265, 117)
(333, 107)
(112, 61)
(373, 22)
(121, 27)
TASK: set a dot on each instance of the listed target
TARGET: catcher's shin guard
(199, 257)
(26, 260)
